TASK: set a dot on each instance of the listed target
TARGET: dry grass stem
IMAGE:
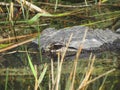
(36, 80)
(15, 45)
(52, 73)
(7, 4)
(62, 59)
(76, 59)
(11, 12)
(50, 82)
(87, 75)
(102, 75)
(19, 51)
(32, 6)
(17, 37)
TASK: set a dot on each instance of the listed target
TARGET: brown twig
(17, 37)
(15, 45)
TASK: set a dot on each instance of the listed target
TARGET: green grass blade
(42, 74)
(68, 84)
(102, 85)
(6, 81)
(32, 66)
(36, 17)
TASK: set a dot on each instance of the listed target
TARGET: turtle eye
(43, 50)
(57, 47)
